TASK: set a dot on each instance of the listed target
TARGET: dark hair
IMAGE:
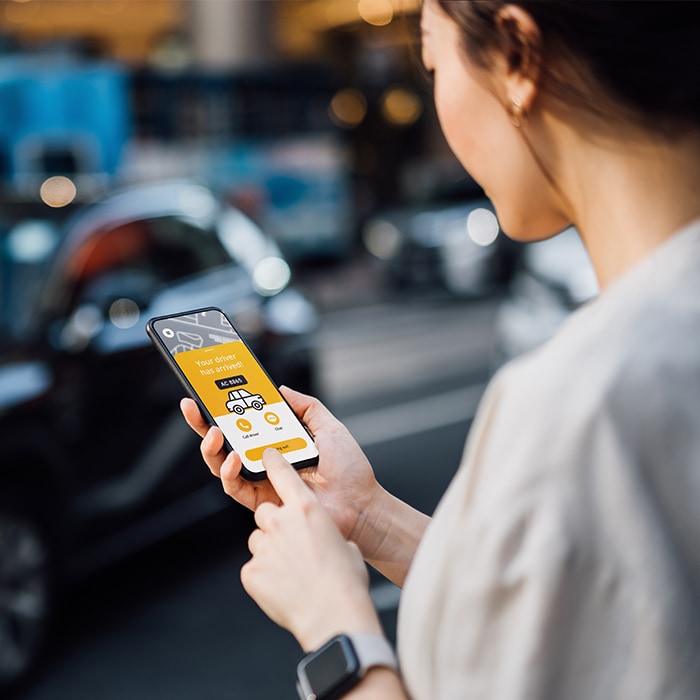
(643, 55)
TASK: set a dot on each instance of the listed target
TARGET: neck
(630, 195)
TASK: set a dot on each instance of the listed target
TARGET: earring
(516, 112)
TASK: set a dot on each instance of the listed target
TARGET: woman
(563, 560)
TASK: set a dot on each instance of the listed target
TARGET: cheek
(478, 130)
(465, 122)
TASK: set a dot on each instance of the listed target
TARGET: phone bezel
(246, 473)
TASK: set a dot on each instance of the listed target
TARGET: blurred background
(280, 159)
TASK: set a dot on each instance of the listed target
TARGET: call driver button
(285, 446)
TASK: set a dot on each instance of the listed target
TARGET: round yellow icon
(244, 425)
(272, 418)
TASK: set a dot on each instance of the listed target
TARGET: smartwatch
(340, 664)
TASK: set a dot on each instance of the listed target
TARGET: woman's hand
(303, 573)
(343, 481)
(226, 466)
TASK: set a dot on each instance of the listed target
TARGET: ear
(521, 43)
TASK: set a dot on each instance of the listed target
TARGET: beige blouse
(564, 560)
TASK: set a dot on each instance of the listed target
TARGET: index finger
(285, 479)
(193, 416)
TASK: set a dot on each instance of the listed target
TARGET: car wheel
(26, 590)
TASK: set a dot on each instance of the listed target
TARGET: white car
(240, 400)
(554, 279)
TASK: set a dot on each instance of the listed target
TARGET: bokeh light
(482, 226)
(401, 107)
(348, 108)
(271, 275)
(124, 313)
(376, 12)
(382, 239)
(58, 191)
(31, 241)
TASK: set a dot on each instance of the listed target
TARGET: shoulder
(623, 373)
(633, 350)
(617, 386)
(600, 422)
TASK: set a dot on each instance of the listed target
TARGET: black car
(95, 458)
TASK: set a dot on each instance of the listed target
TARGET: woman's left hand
(303, 573)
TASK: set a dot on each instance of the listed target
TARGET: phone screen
(233, 388)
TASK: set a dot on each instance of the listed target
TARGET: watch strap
(373, 650)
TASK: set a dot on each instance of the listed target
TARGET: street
(174, 622)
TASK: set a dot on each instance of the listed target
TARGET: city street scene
(280, 160)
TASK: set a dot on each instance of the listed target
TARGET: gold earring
(516, 112)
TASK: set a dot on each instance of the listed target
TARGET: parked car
(457, 246)
(95, 460)
(554, 277)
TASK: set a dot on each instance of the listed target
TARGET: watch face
(331, 668)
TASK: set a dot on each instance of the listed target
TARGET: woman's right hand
(343, 481)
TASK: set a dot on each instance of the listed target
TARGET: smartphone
(221, 373)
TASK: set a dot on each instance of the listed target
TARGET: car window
(137, 258)
(170, 247)
(183, 249)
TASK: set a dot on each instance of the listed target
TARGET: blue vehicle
(61, 116)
